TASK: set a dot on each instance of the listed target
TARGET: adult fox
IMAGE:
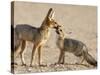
(38, 36)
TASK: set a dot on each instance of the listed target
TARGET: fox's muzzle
(57, 29)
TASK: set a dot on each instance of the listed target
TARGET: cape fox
(38, 36)
(76, 47)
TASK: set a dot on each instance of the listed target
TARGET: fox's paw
(23, 65)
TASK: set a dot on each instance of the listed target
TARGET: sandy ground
(80, 22)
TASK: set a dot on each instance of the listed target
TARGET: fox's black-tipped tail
(90, 59)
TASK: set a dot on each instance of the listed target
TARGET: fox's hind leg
(15, 53)
(23, 44)
(80, 61)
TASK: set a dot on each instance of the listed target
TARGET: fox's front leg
(32, 56)
(61, 57)
(39, 55)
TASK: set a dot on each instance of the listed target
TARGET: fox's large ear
(52, 14)
(49, 12)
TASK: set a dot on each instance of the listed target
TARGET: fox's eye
(59, 26)
(60, 30)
